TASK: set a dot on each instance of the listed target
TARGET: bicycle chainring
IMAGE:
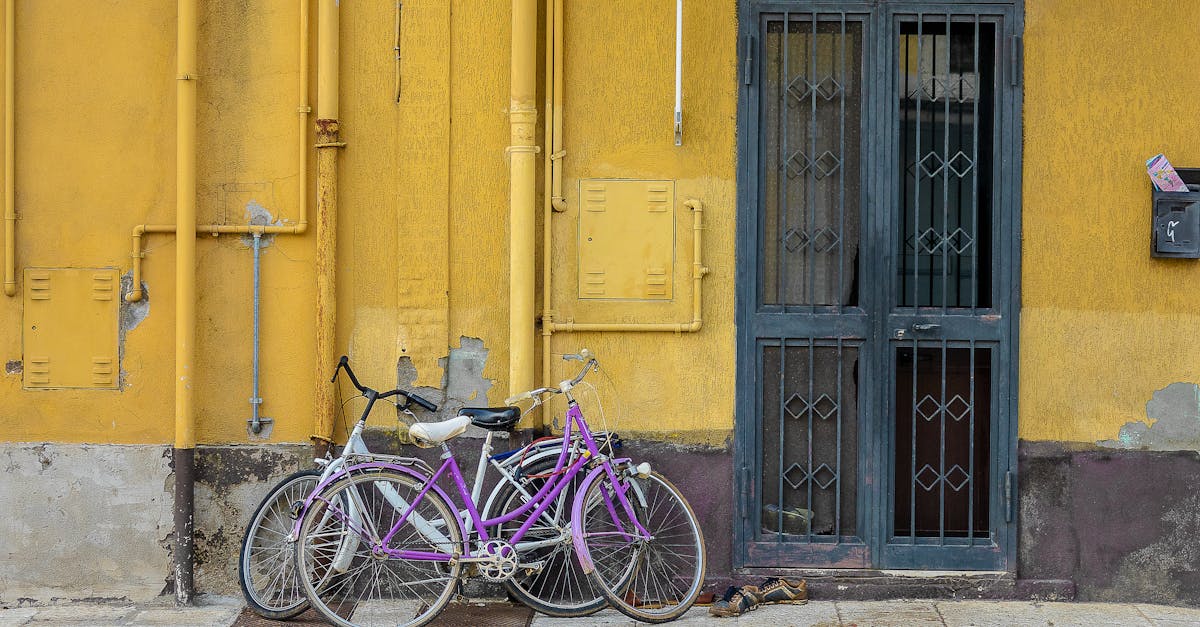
(503, 563)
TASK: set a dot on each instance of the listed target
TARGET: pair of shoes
(736, 601)
(779, 590)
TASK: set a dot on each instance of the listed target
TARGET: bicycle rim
(267, 568)
(555, 585)
(369, 589)
(653, 578)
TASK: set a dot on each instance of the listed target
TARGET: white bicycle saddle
(427, 434)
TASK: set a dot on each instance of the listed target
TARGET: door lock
(925, 326)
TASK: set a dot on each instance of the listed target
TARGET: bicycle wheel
(346, 574)
(653, 578)
(557, 586)
(266, 566)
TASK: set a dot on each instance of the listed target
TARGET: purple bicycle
(388, 547)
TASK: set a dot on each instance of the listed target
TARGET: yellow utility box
(70, 328)
(626, 239)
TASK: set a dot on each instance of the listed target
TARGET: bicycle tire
(266, 562)
(408, 593)
(652, 580)
(560, 588)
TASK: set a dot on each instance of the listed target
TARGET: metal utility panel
(70, 328)
(626, 239)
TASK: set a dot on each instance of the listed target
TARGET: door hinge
(1015, 60)
(1008, 496)
(748, 70)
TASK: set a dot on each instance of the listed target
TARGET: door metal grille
(878, 263)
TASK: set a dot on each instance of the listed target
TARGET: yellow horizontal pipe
(136, 294)
(699, 270)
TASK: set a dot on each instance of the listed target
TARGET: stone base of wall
(95, 521)
(1121, 524)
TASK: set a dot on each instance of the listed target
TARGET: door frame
(873, 458)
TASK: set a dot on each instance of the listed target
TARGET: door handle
(925, 326)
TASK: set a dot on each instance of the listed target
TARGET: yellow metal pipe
(556, 113)
(185, 207)
(699, 270)
(547, 194)
(522, 197)
(327, 145)
(136, 293)
(302, 129)
(10, 150)
(185, 298)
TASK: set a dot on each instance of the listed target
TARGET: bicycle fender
(581, 551)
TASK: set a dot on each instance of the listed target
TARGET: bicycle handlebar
(590, 363)
(344, 364)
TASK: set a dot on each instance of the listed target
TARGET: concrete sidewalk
(223, 612)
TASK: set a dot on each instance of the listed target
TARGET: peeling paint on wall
(1173, 422)
(463, 383)
(258, 215)
(129, 316)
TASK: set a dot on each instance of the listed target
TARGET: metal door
(878, 257)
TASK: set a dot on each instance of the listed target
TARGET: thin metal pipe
(10, 148)
(678, 72)
(255, 399)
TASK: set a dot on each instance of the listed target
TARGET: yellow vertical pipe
(10, 148)
(303, 109)
(185, 244)
(547, 197)
(327, 145)
(185, 299)
(521, 193)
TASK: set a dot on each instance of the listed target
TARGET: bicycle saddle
(427, 434)
(492, 418)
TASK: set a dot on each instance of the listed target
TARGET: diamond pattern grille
(823, 477)
(824, 407)
(801, 89)
(825, 165)
(929, 408)
(823, 240)
(929, 478)
(931, 241)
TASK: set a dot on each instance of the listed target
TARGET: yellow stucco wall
(422, 246)
(1107, 85)
(423, 207)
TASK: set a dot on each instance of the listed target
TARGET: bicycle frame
(534, 507)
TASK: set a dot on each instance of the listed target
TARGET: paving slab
(191, 617)
(1090, 614)
(16, 616)
(992, 614)
(605, 618)
(815, 613)
(1168, 616)
(887, 613)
